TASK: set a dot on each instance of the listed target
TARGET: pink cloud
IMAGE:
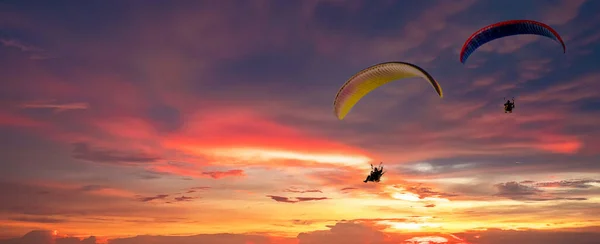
(11, 119)
(565, 92)
(19, 45)
(430, 22)
(532, 70)
(54, 106)
(250, 133)
(562, 12)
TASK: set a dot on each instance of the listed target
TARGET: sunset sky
(214, 120)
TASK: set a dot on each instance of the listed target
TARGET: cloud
(152, 198)
(36, 53)
(198, 188)
(19, 45)
(281, 199)
(496, 236)
(294, 190)
(42, 237)
(341, 233)
(222, 174)
(184, 199)
(355, 233)
(84, 151)
(303, 222)
(562, 12)
(576, 90)
(416, 32)
(48, 237)
(66, 202)
(304, 199)
(56, 107)
(93, 187)
(194, 170)
(39, 219)
(588, 183)
(360, 233)
(426, 240)
(296, 199)
(203, 238)
(349, 233)
(426, 192)
(518, 191)
(165, 197)
(11, 119)
(514, 189)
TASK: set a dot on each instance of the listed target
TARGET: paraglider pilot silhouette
(376, 173)
(508, 106)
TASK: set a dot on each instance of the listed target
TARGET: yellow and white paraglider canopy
(373, 77)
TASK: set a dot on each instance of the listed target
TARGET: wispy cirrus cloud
(84, 151)
(35, 53)
(518, 191)
(56, 107)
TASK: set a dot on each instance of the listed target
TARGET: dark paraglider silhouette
(508, 106)
(376, 173)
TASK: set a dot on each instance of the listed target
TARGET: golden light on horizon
(406, 196)
(414, 226)
(427, 240)
(402, 194)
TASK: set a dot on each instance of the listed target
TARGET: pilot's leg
(367, 179)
